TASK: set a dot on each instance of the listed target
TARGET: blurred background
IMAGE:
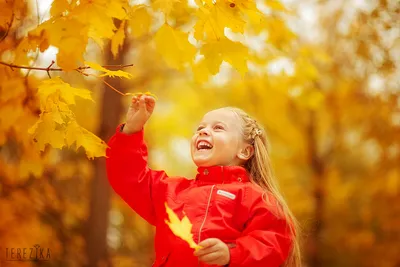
(323, 78)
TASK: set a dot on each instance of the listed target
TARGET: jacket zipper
(205, 217)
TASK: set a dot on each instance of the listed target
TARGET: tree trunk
(110, 114)
(317, 166)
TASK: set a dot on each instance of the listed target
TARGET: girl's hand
(138, 113)
(213, 251)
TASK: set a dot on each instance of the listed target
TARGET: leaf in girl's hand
(181, 228)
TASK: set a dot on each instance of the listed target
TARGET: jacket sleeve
(265, 241)
(129, 175)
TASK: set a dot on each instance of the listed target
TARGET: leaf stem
(109, 85)
(12, 66)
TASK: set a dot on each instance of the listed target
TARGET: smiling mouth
(203, 146)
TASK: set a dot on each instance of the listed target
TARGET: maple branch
(12, 66)
(48, 68)
(104, 81)
(9, 24)
(112, 87)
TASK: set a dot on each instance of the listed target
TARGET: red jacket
(220, 202)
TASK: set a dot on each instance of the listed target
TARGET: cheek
(226, 143)
(192, 143)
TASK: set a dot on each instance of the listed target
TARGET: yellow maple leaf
(110, 73)
(201, 72)
(181, 228)
(212, 20)
(276, 5)
(118, 39)
(93, 145)
(140, 20)
(165, 6)
(59, 6)
(66, 91)
(44, 132)
(174, 46)
(66, 33)
(234, 53)
(99, 14)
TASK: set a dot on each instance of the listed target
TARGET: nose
(204, 131)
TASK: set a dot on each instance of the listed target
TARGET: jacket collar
(222, 174)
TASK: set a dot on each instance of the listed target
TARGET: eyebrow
(214, 122)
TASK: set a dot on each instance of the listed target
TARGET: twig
(9, 24)
(48, 68)
(12, 66)
(109, 85)
(112, 87)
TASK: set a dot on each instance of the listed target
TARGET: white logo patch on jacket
(226, 194)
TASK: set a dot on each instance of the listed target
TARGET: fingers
(209, 242)
(142, 103)
(208, 246)
(211, 258)
(213, 251)
(149, 102)
(204, 251)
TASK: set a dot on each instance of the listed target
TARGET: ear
(246, 152)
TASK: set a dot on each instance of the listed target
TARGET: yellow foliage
(93, 145)
(165, 6)
(64, 91)
(44, 132)
(57, 125)
(140, 20)
(212, 20)
(59, 6)
(181, 228)
(110, 73)
(174, 46)
(234, 53)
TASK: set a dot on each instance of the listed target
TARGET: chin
(202, 163)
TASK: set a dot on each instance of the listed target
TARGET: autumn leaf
(140, 20)
(275, 5)
(99, 15)
(66, 91)
(234, 53)
(201, 72)
(93, 145)
(110, 73)
(174, 46)
(165, 6)
(66, 33)
(44, 132)
(181, 228)
(59, 6)
(213, 19)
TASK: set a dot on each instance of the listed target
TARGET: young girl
(239, 217)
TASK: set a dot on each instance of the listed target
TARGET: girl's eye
(200, 127)
(218, 127)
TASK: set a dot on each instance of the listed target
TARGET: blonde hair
(260, 168)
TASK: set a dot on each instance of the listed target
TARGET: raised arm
(127, 168)
(130, 176)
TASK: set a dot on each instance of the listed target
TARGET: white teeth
(203, 144)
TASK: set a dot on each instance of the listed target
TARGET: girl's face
(218, 140)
